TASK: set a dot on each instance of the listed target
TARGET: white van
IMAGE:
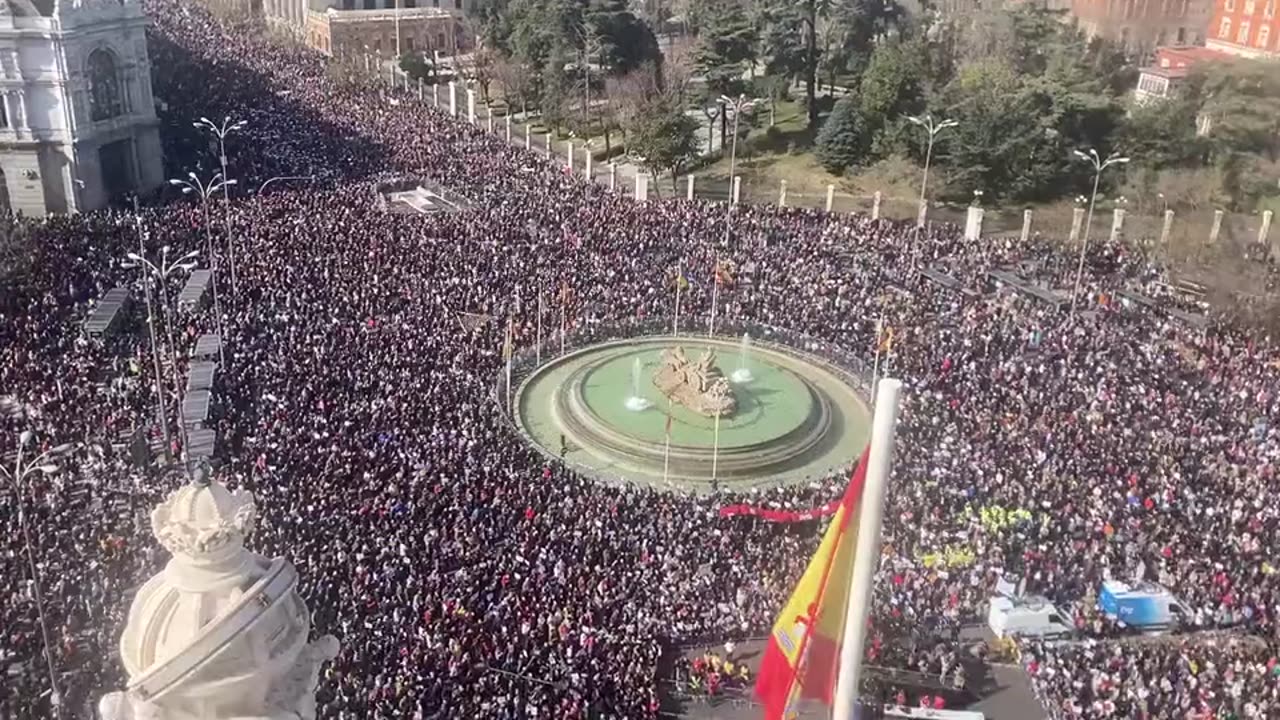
(1030, 617)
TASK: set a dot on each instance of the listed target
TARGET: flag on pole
(802, 657)
(681, 282)
(886, 339)
(723, 274)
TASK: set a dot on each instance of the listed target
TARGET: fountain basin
(797, 418)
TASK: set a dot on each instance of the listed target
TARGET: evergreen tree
(841, 143)
(726, 44)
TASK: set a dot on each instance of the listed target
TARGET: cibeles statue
(221, 632)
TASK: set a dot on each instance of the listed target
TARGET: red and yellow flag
(802, 658)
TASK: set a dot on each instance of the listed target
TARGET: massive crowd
(468, 576)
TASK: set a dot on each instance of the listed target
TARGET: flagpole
(564, 301)
(875, 367)
(538, 345)
(715, 289)
(866, 556)
(666, 451)
(509, 352)
(675, 324)
(715, 451)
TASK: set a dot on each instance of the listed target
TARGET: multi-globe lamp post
(207, 190)
(221, 132)
(161, 272)
(932, 127)
(17, 477)
(1099, 165)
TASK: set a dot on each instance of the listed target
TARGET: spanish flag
(802, 658)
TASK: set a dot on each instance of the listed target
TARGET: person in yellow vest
(728, 668)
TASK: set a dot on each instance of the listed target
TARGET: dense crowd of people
(465, 574)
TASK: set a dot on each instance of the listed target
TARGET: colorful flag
(724, 277)
(886, 341)
(681, 282)
(802, 657)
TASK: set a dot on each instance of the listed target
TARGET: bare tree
(678, 68)
(516, 82)
(591, 49)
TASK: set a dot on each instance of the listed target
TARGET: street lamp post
(1098, 166)
(933, 128)
(161, 414)
(205, 191)
(16, 477)
(221, 132)
(161, 273)
(739, 105)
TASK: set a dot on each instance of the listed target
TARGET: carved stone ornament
(184, 529)
(699, 386)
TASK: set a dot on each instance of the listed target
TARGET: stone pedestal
(508, 123)
(1217, 227)
(782, 193)
(569, 161)
(875, 205)
(613, 176)
(736, 191)
(1117, 225)
(922, 215)
(587, 151)
(973, 223)
(688, 193)
(1265, 229)
(471, 106)
(642, 187)
(548, 144)
(1077, 222)
(1167, 230)
(1026, 226)
(435, 95)
(453, 98)
(528, 142)
(831, 197)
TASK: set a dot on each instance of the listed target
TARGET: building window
(1242, 37)
(370, 4)
(457, 4)
(410, 4)
(1229, 5)
(440, 41)
(104, 86)
(408, 43)
(1224, 29)
(1249, 7)
(1182, 35)
(1269, 10)
(1264, 36)
(4, 114)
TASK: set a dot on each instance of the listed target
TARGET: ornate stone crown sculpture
(221, 632)
(699, 386)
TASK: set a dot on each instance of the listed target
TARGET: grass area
(782, 151)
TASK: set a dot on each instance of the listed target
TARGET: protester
(467, 575)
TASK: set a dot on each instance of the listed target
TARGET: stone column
(973, 223)
(453, 98)
(420, 91)
(831, 197)
(642, 187)
(528, 143)
(587, 151)
(922, 215)
(569, 164)
(613, 175)
(1217, 227)
(508, 119)
(1077, 222)
(1167, 230)
(1265, 229)
(875, 205)
(548, 144)
(489, 121)
(435, 95)
(736, 193)
(1117, 224)
(782, 193)
(688, 193)
(1026, 225)
(471, 106)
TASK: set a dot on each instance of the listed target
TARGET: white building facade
(78, 124)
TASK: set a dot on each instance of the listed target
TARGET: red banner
(780, 515)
